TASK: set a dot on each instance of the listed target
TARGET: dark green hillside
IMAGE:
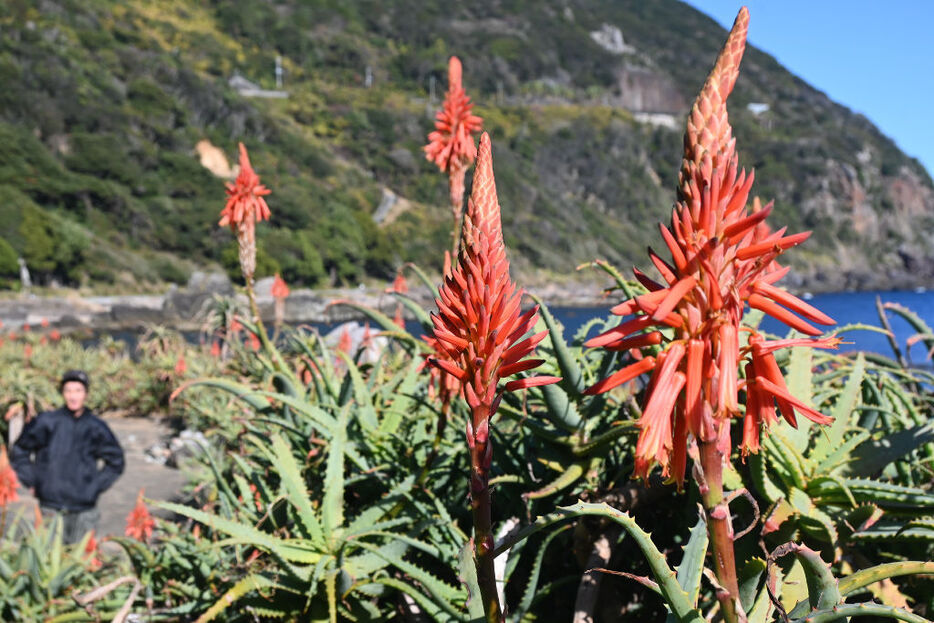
(103, 102)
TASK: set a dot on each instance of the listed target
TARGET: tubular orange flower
(139, 523)
(180, 366)
(722, 258)
(451, 145)
(481, 328)
(8, 480)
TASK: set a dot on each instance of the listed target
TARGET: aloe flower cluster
(480, 332)
(8, 480)
(722, 259)
(139, 523)
(245, 207)
(451, 145)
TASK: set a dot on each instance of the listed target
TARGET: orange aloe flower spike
(280, 289)
(139, 523)
(8, 480)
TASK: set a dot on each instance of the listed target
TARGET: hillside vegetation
(103, 103)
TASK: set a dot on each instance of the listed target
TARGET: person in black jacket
(59, 454)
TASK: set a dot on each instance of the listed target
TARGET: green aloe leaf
(823, 591)
(800, 383)
(364, 412)
(293, 550)
(844, 611)
(332, 506)
(692, 564)
(290, 475)
(467, 574)
(570, 370)
(872, 457)
(832, 436)
(250, 583)
(864, 577)
(675, 596)
(416, 310)
(531, 586)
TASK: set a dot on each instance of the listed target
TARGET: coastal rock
(186, 303)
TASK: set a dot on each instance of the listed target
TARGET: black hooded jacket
(66, 451)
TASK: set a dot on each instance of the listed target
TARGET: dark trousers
(75, 524)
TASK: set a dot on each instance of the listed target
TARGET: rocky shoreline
(187, 308)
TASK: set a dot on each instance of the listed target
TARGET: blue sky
(876, 58)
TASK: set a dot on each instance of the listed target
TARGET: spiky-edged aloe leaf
(467, 574)
(674, 595)
(873, 456)
(379, 318)
(889, 530)
(531, 586)
(290, 476)
(832, 436)
(561, 410)
(431, 607)
(865, 577)
(292, 550)
(823, 591)
(692, 564)
(416, 310)
(844, 611)
(253, 582)
(570, 370)
(838, 459)
(783, 454)
(603, 440)
(749, 576)
(799, 381)
(443, 594)
(568, 477)
(761, 478)
(890, 497)
(332, 506)
(365, 413)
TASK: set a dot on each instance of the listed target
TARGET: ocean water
(847, 308)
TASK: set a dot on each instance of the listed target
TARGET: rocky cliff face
(105, 105)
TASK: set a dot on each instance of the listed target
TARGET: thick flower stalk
(451, 145)
(139, 523)
(481, 329)
(722, 259)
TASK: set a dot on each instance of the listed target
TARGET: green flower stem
(481, 505)
(720, 529)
